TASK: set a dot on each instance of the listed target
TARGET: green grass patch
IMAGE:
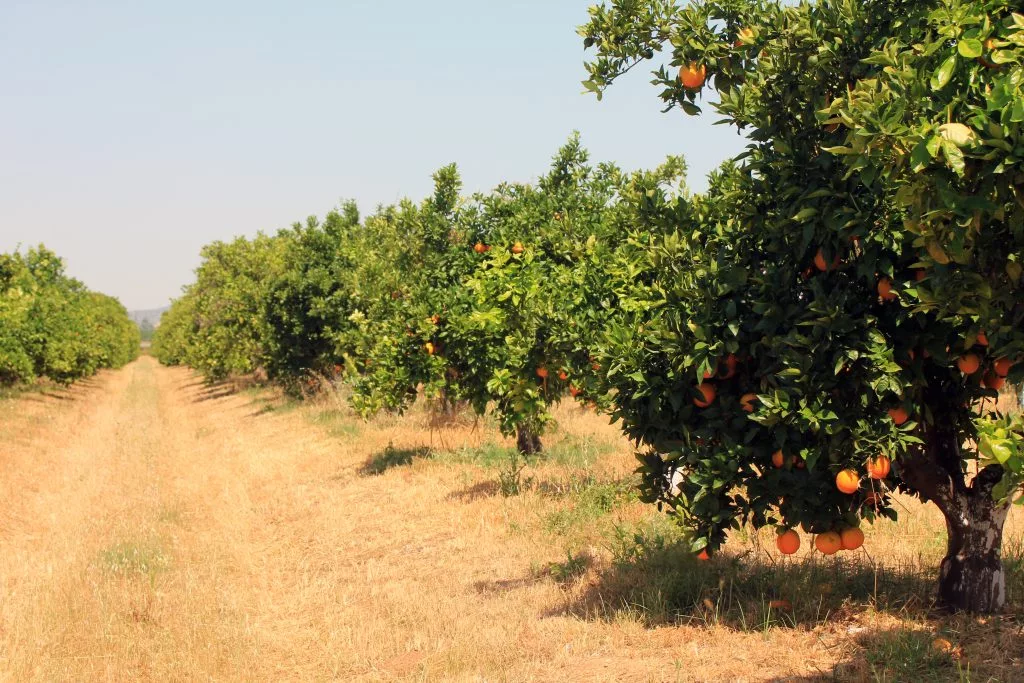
(135, 558)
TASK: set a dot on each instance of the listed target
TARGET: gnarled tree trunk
(527, 440)
(971, 576)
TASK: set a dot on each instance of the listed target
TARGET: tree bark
(971, 577)
(527, 441)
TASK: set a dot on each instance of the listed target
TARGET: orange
(430, 348)
(829, 543)
(899, 415)
(693, 76)
(919, 274)
(708, 391)
(703, 556)
(479, 247)
(848, 481)
(563, 375)
(885, 289)
(1002, 366)
(542, 372)
(747, 402)
(878, 468)
(788, 542)
(969, 363)
(517, 248)
(994, 381)
(729, 365)
(982, 339)
(822, 265)
(435, 319)
(852, 538)
(575, 391)
(778, 459)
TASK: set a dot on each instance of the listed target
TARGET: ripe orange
(708, 391)
(563, 375)
(852, 538)
(885, 289)
(778, 459)
(430, 348)
(878, 468)
(788, 542)
(703, 555)
(517, 248)
(542, 372)
(747, 402)
(479, 247)
(919, 274)
(1003, 366)
(574, 390)
(982, 339)
(822, 265)
(435, 319)
(969, 363)
(994, 381)
(829, 543)
(709, 373)
(729, 365)
(693, 76)
(899, 415)
(848, 481)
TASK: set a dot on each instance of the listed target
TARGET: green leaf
(942, 75)
(970, 48)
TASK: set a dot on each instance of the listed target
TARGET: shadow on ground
(392, 457)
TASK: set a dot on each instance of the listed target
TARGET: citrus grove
(829, 323)
(52, 327)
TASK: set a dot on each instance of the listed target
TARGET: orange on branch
(693, 76)
(778, 459)
(747, 402)
(829, 543)
(709, 392)
(885, 289)
(878, 468)
(899, 415)
(848, 481)
(788, 542)
(969, 363)
(1003, 366)
(852, 538)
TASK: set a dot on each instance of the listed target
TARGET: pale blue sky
(133, 132)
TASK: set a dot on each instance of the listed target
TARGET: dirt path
(154, 529)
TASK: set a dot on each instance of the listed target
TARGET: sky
(133, 132)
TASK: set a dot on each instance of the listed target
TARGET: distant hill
(152, 315)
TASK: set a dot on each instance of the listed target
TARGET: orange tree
(51, 326)
(218, 325)
(500, 297)
(825, 325)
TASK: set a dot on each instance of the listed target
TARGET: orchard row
(847, 292)
(52, 327)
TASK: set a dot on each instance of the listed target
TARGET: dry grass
(154, 528)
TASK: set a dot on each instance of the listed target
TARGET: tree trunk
(527, 440)
(971, 576)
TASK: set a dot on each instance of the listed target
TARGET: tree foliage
(860, 262)
(52, 327)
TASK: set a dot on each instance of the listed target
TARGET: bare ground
(154, 528)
